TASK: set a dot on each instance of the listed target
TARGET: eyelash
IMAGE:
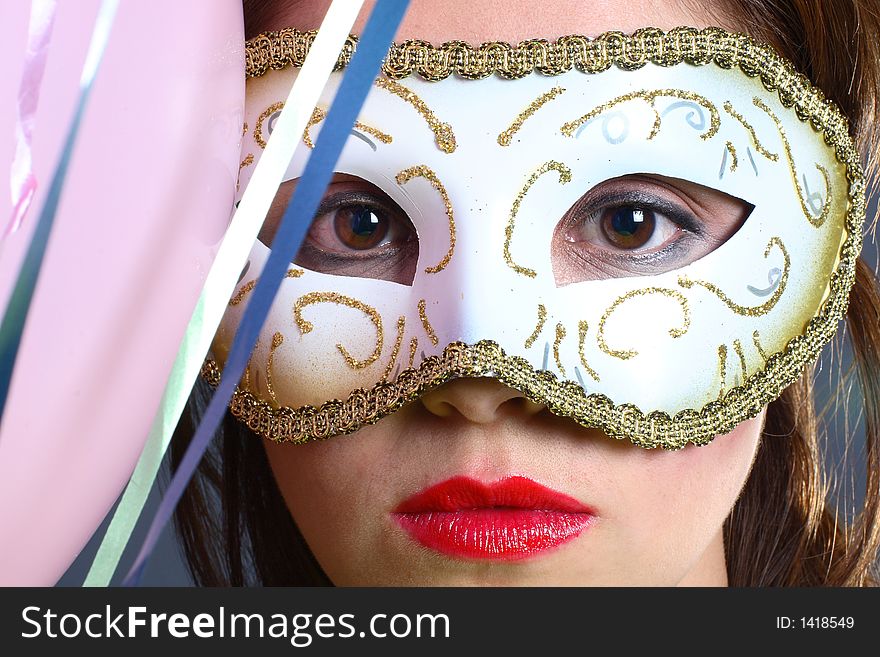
(384, 252)
(592, 207)
(342, 238)
(615, 201)
(335, 202)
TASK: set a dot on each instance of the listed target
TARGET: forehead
(505, 20)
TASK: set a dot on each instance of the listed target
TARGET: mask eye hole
(642, 224)
(358, 231)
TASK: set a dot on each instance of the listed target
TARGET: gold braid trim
(277, 50)
(565, 398)
(288, 47)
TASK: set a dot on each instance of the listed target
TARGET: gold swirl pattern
(258, 129)
(722, 366)
(277, 341)
(626, 354)
(542, 318)
(728, 107)
(582, 334)
(319, 114)
(243, 292)
(816, 221)
(413, 347)
(650, 96)
(246, 162)
(756, 339)
(748, 311)
(306, 326)
(737, 347)
(560, 336)
(426, 324)
(401, 327)
(564, 177)
(287, 47)
(443, 134)
(733, 160)
(564, 398)
(250, 285)
(506, 136)
(428, 174)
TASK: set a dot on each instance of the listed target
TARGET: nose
(478, 400)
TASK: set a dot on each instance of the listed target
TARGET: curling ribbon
(22, 181)
(353, 90)
(223, 276)
(23, 292)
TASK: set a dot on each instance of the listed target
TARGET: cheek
(678, 501)
(335, 491)
(324, 474)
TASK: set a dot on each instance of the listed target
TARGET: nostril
(524, 406)
(438, 408)
(479, 400)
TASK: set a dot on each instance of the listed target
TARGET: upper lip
(515, 492)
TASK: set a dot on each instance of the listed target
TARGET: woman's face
(615, 514)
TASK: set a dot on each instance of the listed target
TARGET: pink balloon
(148, 197)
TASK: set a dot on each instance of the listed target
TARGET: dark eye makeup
(639, 225)
(358, 230)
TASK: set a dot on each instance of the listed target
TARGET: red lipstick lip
(514, 518)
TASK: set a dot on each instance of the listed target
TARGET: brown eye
(641, 224)
(360, 227)
(358, 231)
(628, 227)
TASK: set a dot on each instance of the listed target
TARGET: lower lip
(493, 533)
(513, 518)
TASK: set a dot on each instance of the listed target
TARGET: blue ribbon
(356, 83)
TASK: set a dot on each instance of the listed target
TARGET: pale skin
(660, 513)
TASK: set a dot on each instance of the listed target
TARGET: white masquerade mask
(565, 243)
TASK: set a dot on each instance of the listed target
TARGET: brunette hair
(786, 528)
